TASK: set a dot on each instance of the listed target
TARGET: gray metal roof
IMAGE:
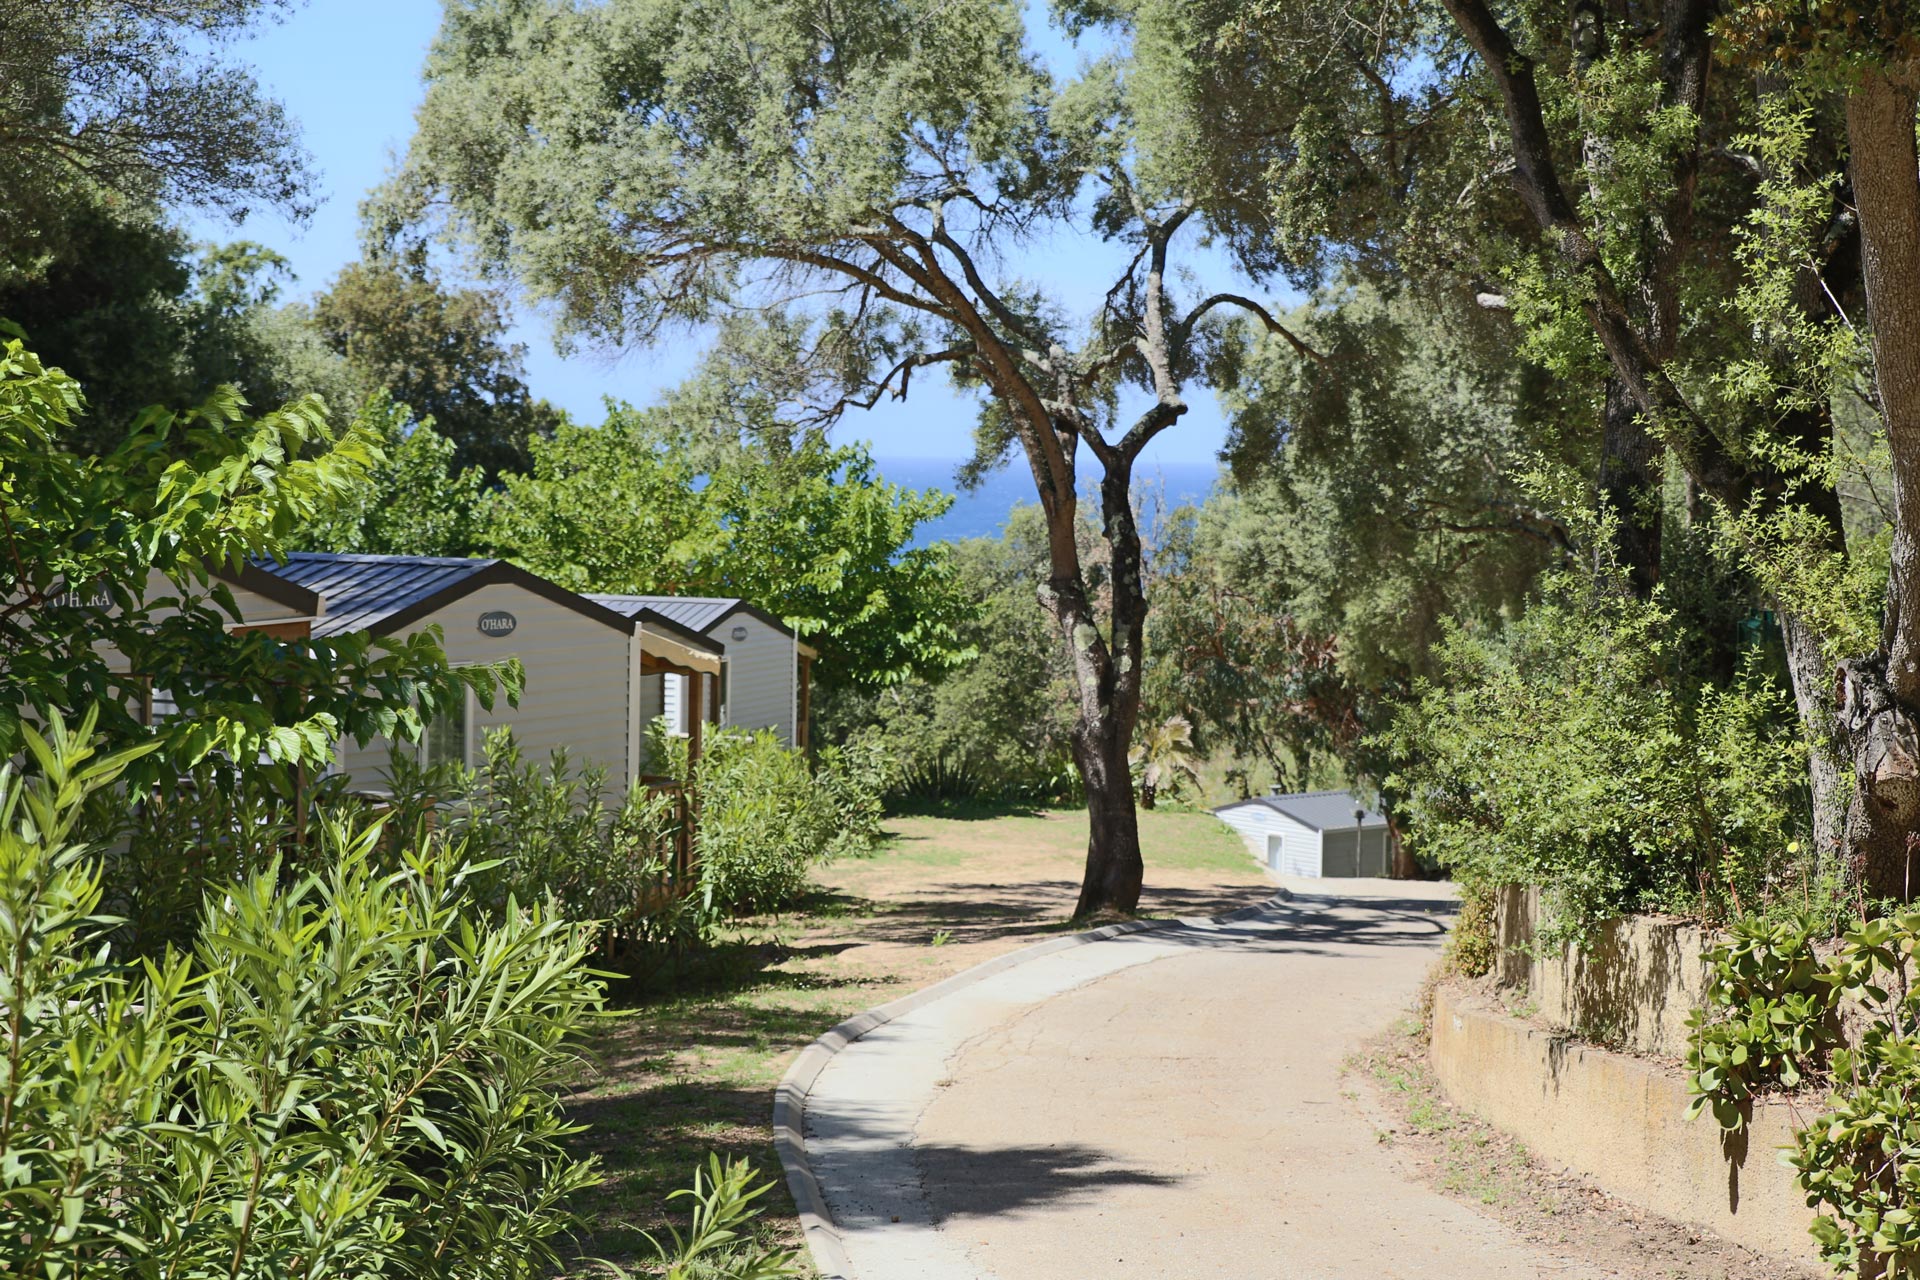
(696, 613)
(365, 592)
(1321, 810)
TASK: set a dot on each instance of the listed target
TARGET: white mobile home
(1316, 833)
(768, 670)
(589, 670)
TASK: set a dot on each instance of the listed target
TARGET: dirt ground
(1465, 1158)
(688, 1065)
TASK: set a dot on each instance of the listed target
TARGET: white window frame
(469, 712)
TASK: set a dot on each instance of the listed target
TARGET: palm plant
(1164, 758)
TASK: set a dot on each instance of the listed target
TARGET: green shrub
(549, 832)
(767, 819)
(937, 781)
(1768, 1017)
(1471, 945)
(1574, 750)
(719, 1244)
(1855, 1160)
(347, 1076)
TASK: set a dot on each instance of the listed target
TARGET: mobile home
(767, 680)
(591, 673)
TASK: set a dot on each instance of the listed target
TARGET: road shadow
(1377, 922)
(984, 1182)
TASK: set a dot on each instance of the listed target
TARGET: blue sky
(349, 72)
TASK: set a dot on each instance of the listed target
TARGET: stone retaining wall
(1621, 1123)
(1632, 988)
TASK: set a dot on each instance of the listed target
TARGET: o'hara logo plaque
(498, 623)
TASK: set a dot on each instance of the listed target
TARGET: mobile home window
(447, 739)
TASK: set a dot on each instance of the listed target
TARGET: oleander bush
(548, 830)
(768, 816)
(350, 1072)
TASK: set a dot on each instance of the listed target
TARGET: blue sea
(983, 512)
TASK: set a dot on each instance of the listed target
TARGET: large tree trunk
(1106, 673)
(1630, 482)
(1813, 699)
(1879, 695)
(1111, 883)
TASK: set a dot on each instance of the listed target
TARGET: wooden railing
(684, 816)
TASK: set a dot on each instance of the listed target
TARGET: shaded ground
(675, 1076)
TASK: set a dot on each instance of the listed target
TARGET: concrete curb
(790, 1096)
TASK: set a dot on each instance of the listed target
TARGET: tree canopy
(871, 161)
(118, 107)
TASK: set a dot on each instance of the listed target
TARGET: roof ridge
(367, 557)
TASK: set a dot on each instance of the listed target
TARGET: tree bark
(1107, 679)
(1807, 669)
(1114, 870)
(1878, 695)
(1630, 483)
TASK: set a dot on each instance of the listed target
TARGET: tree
(415, 501)
(1375, 501)
(139, 316)
(118, 107)
(649, 503)
(1165, 758)
(441, 352)
(1611, 221)
(1252, 679)
(649, 162)
(1000, 724)
(1870, 59)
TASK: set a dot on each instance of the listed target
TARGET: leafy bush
(1769, 1015)
(547, 830)
(937, 781)
(1471, 944)
(1575, 751)
(345, 1077)
(767, 818)
(1854, 1160)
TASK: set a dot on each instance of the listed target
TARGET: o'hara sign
(497, 623)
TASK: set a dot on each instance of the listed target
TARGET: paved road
(1159, 1105)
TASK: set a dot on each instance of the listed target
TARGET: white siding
(1289, 847)
(254, 607)
(761, 671)
(576, 690)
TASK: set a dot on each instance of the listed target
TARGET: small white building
(591, 673)
(767, 679)
(1315, 833)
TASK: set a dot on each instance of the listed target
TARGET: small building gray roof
(1321, 810)
(383, 594)
(696, 613)
(364, 593)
